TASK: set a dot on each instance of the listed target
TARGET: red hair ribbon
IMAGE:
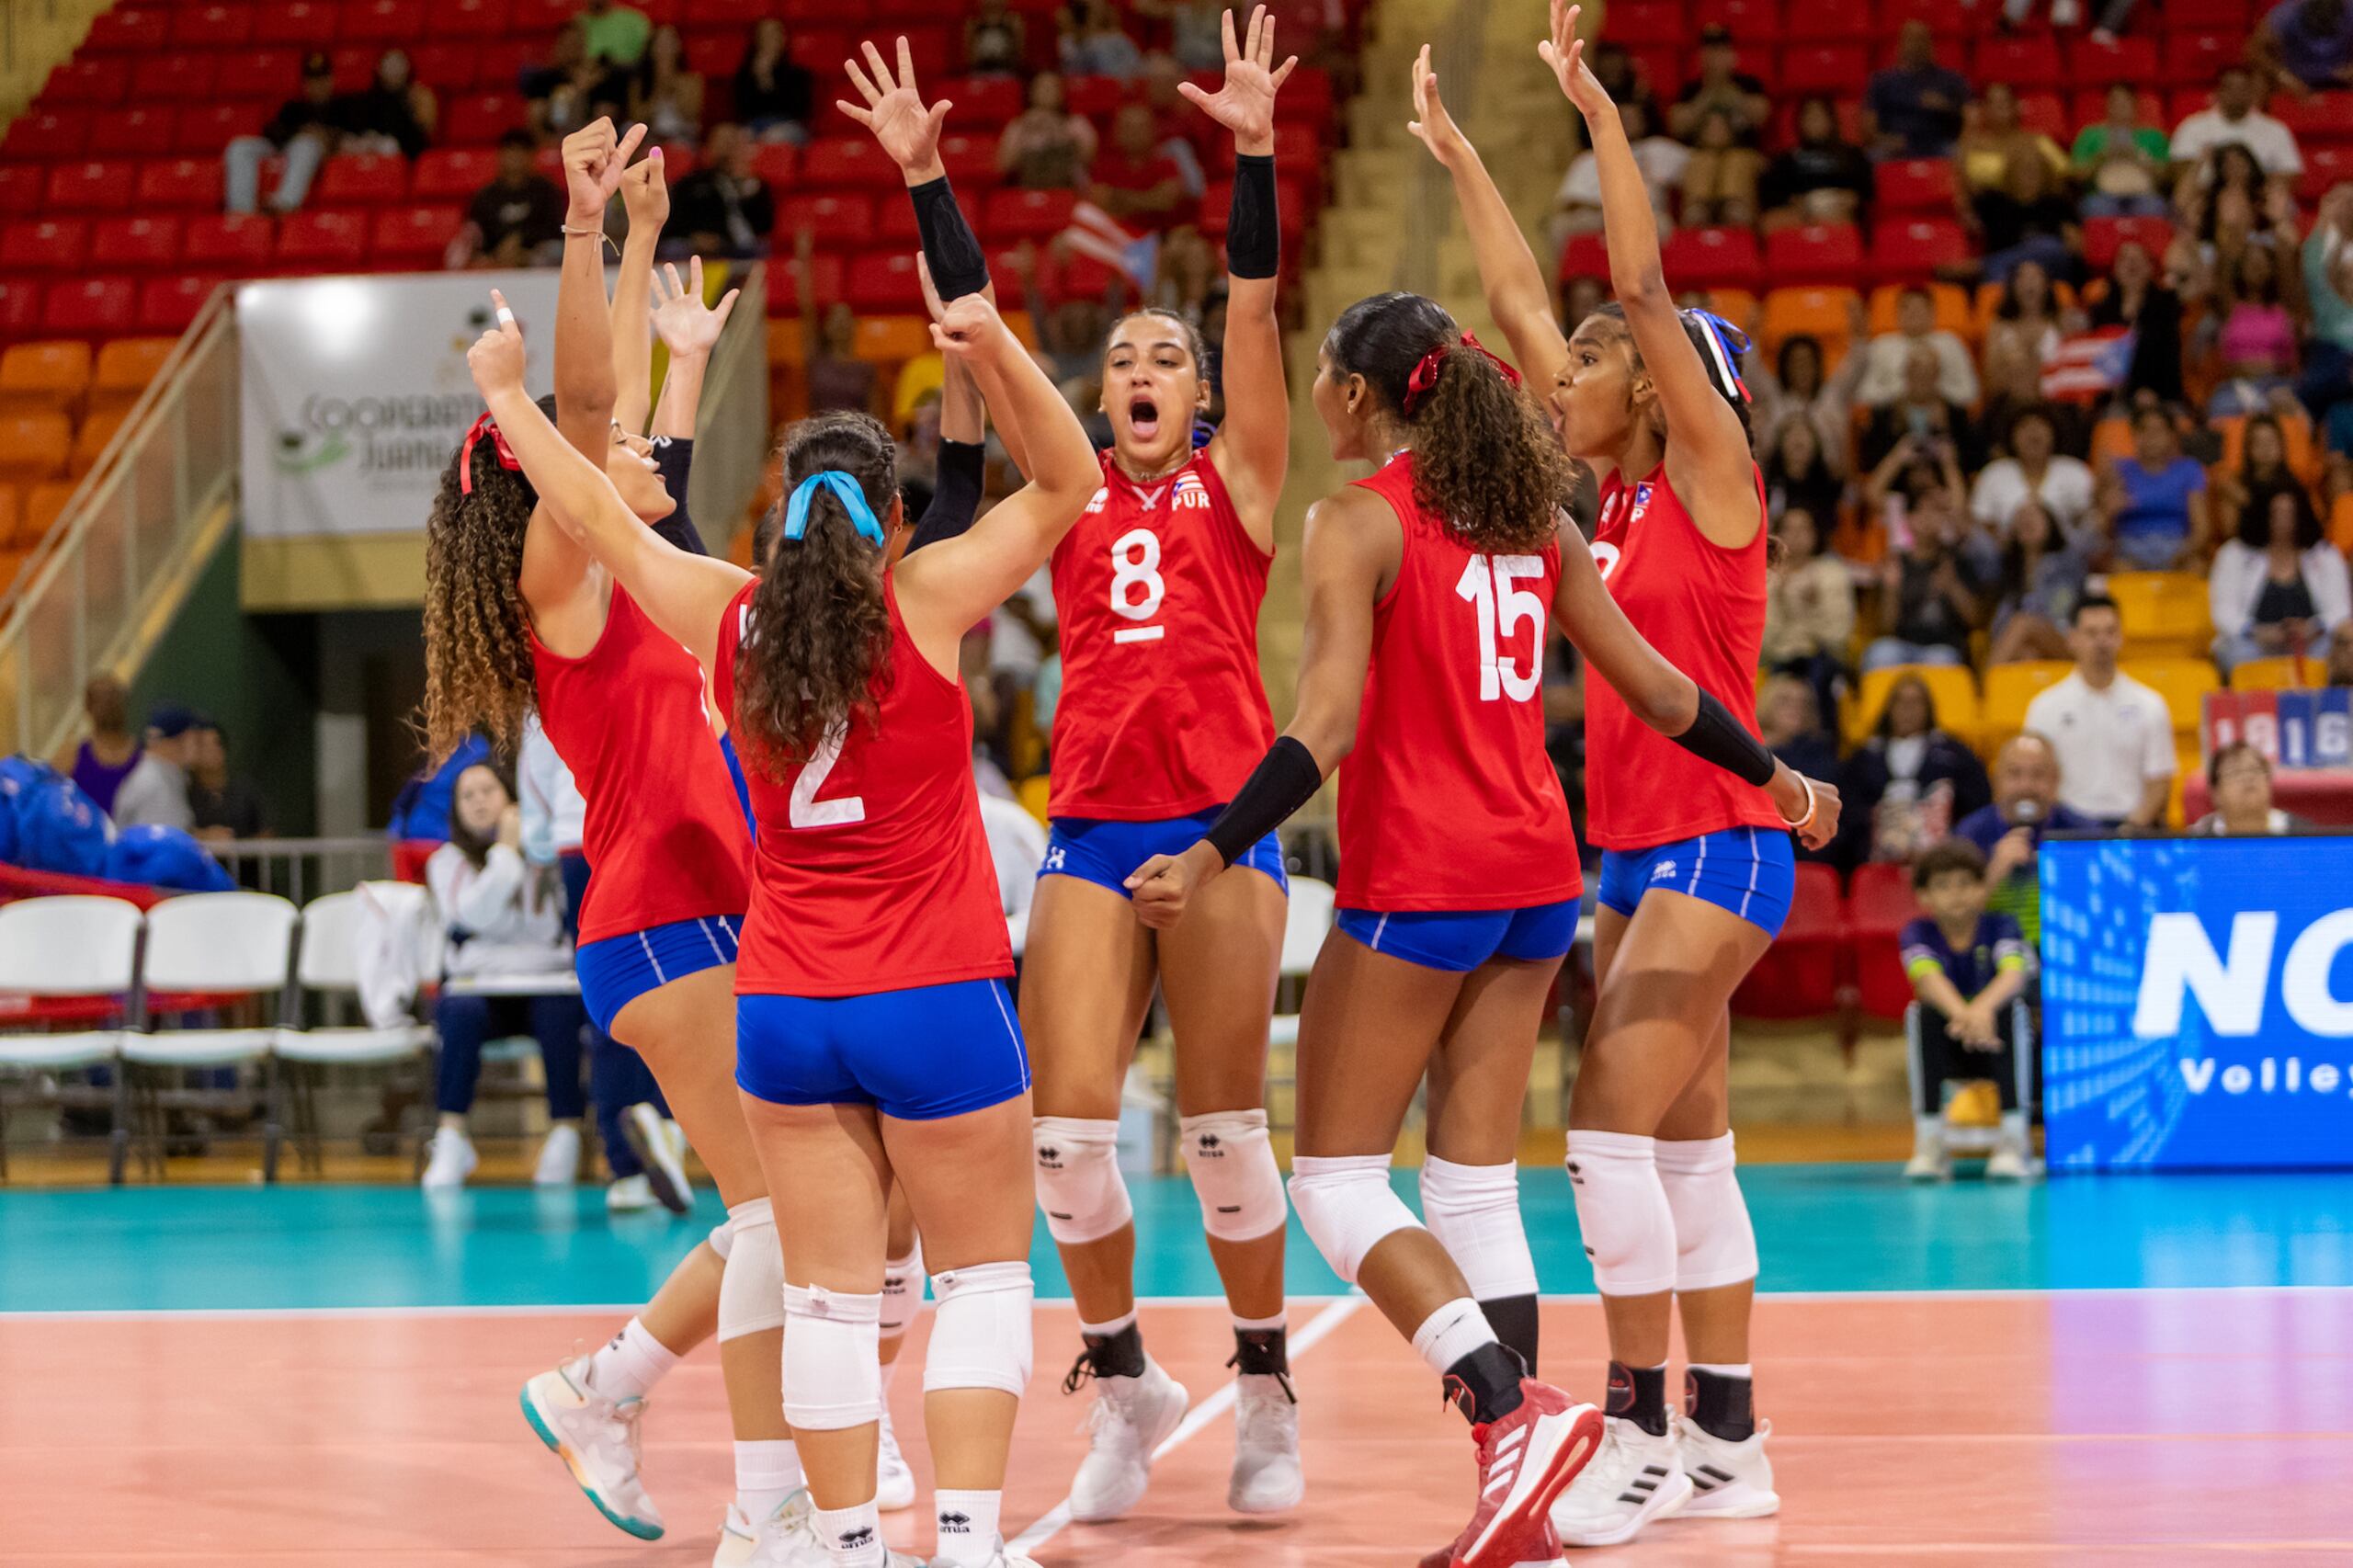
(1427, 367)
(485, 425)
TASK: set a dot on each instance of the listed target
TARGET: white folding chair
(70, 947)
(327, 962)
(221, 943)
(1305, 925)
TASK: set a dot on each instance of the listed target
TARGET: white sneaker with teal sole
(599, 1441)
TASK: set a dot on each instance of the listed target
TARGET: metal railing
(731, 433)
(299, 869)
(83, 602)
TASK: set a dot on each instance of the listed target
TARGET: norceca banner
(356, 392)
(2198, 1002)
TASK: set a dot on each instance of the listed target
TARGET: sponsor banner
(2198, 1002)
(356, 392)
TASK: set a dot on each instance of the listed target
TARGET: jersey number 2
(1487, 582)
(810, 811)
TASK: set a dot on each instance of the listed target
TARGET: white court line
(1318, 1328)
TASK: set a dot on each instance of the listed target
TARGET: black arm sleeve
(953, 251)
(1716, 736)
(1254, 232)
(1285, 781)
(955, 493)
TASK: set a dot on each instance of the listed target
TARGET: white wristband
(1800, 823)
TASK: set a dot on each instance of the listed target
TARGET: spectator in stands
(1194, 29)
(2261, 472)
(2258, 298)
(1932, 589)
(394, 113)
(1095, 43)
(504, 922)
(665, 94)
(724, 208)
(2112, 736)
(574, 87)
(1177, 125)
(2035, 471)
(1888, 357)
(1809, 609)
(1935, 424)
(1134, 179)
(2237, 206)
(2044, 567)
(1797, 474)
(1912, 108)
(2306, 46)
(995, 40)
(517, 219)
(1046, 147)
(154, 792)
(2235, 116)
(615, 34)
(1576, 207)
(2122, 162)
(1613, 66)
(1794, 390)
(303, 131)
(1909, 783)
(2027, 218)
(1789, 721)
(1969, 967)
(837, 377)
(2153, 503)
(1721, 85)
(1988, 148)
(2328, 290)
(2238, 778)
(1720, 178)
(2026, 316)
(2137, 298)
(1580, 296)
(224, 805)
(774, 97)
(1821, 179)
(2277, 587)
(102, 761)
(2007, 833)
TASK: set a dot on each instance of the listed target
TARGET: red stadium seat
(48, 135)
(2104, 236)
(179, 78)
(44, 244)
(452, 174)
(1096, 98)
(1306, 97)
(1028, 214)
(839, 221)
(1815, 253)
(882, 281)
(2326, 168)
(19, 307)
(894, 224)
(474, 18)
(89, 307)
(139, 244)
(1705, 258)
(273, 74)
(1755, 24)
(2046, 113)
(101, 80)
(231, 243)
(355, 65)
(212, 26)
(1657, 23)
(778, 164)
(203, 129)
(2129, 59)
(169, 304)
(985, 103)
(362, 179)
(1799, 975)
(1587, 255)
(1828, 21)
(414, 237)
(2217, 16)
(1915, 185)
(20, 187)
(131, 131)
(784, 284)
(168, 184)
(500, 62)
(972, 160)
(542, 18)
(1823, 68)
(840, 162)
(2322, 119)
(96, 187)
(129, 29)
(2194, 60)
(305, 24)
(321, 242)
(477, 119)
(385, 22)
(449, 67)
(1908, 249)
(1663, 71)
(1878, 906)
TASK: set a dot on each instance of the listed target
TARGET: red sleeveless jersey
(664, 835)
(870, 870)
(1702, 607)
(1449, 800)
(1158, 589)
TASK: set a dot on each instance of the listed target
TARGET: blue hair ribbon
(1730, 344)
(844, 490)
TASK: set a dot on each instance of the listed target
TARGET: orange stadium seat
(90, 441)
(1951, 686)
(89, 307)
(36, 376)
(2305, 460)
(44, 244)
(124, 367)
(2340, 522)
(44, 504)
(2165, 613)
(2183, 682)
(1824, 314)
(1951, 303)
(893, 339)
(11, 504)
(2275, 675)
(2009, 689)
(33, 446)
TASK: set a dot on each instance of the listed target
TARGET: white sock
(853, 1537)
(968, 1528)
(630, 1363)
(1451, 1332)
(1927, 1134)
(1106, 1330)
(767, 1470)
(1260, 1326)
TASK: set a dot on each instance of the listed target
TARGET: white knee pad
(1714, 1245)
(1079, 1184)
(1622, 1210)
(722, 1239)
(831, 1378)
(1235, 1174)
(902, 1292)
(751, 1287)
(1347, 1205)
(980, 1331)
(1474, 1210)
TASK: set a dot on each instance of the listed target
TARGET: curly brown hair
(478, 672)
(1485, 456)
(815, 658)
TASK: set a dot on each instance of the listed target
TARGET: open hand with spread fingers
(1564, 52)
(893, 110)
(1245, 104)
(689, 327)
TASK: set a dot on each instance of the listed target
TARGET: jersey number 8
(1137, 587)
(1487, 582)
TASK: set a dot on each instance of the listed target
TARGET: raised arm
(595, 162)
(1252, 448)
(646, 196)
(691, 330)
(1517, 294)
(962, 471)
(686, 594)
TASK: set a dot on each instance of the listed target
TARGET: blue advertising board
(2198, 1003)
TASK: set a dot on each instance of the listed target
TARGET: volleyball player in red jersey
(1428, 587)
(1161, 717)
(875, 1037)
(518, 615)
(1697, 869)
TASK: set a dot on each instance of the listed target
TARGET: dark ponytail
(816, 653)
(1484, 457)
(1720, 345)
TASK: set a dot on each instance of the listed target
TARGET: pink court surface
(2145, 1427)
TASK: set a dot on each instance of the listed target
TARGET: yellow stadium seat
(1032, 792)
(2274, 675)
(33, 446)
(2165, 613)
(2183, 683)
(124, 369)
(1826, 314)
(2009, 689)
(44, 376)
(1952, 688)
(1953, 313)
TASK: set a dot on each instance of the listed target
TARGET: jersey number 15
(1487, 582)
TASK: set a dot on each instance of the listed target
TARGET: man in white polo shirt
(2112, 735)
